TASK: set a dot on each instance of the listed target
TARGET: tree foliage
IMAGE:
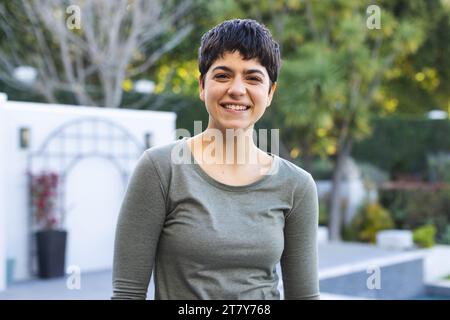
(114, 41)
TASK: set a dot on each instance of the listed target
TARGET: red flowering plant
(44, 195)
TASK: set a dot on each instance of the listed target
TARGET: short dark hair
(251, 38)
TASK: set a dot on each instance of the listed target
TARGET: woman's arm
(299, 261)
(140, 222)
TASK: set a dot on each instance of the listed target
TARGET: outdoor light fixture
(144, 86)
(437, 115)
(25, 74)
(148, 140)
(24, 138)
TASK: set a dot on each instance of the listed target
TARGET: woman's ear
(271, 92)
(202, 90)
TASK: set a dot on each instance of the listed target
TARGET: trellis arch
(72, 142)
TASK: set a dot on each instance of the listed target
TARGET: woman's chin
(236, 125)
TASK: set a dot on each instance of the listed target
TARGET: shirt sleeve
(139, 225)
(299, 262)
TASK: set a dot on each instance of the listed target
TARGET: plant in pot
(50, 235)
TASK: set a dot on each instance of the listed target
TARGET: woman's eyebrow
(254, 71)
(227, 69)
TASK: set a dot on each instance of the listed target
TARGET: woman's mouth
(235, 107)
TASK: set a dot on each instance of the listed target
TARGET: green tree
(420, 82)
(336, 72)
(95, 59)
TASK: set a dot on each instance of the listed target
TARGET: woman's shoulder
(295, 180)
(160, 157)
(162, 153)
(293, 172)
(301, 183)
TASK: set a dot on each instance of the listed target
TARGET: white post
(3, 99)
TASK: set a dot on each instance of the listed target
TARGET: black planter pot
(51, 250)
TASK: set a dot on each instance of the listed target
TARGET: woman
(215, 226)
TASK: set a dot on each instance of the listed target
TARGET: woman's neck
(230, 147)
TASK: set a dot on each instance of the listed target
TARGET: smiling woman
(236, 92)
(213, 229)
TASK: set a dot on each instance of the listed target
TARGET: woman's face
(236, 92)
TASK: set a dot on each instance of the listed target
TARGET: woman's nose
(237, 87)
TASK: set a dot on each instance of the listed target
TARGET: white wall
(437, 263)
(90, 237)
(94, 186)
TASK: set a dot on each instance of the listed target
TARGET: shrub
(400, 145)
(323, 212)
(439, 167)
(445, 236)
(370, 219)
(415, 205)
(372, 176)
(44, 193)
(424, 235)
(322, 169)
(324, 201)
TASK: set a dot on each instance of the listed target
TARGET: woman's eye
(254, 79)
(220, 76)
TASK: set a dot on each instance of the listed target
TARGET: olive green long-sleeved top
(207, 240)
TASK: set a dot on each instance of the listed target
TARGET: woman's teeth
(235, 107)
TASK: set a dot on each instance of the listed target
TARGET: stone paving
(97, 285)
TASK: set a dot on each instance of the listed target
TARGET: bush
(415, 205)
(324, 203)
(400, 145)
(322, 169)
(424, 235)
(372, 176)
(323, 212)
(439, 167)
(370, 219)
(445, 236)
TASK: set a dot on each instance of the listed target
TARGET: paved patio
(334, 260)
(94, 286)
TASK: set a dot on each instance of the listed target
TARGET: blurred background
(363, 104)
